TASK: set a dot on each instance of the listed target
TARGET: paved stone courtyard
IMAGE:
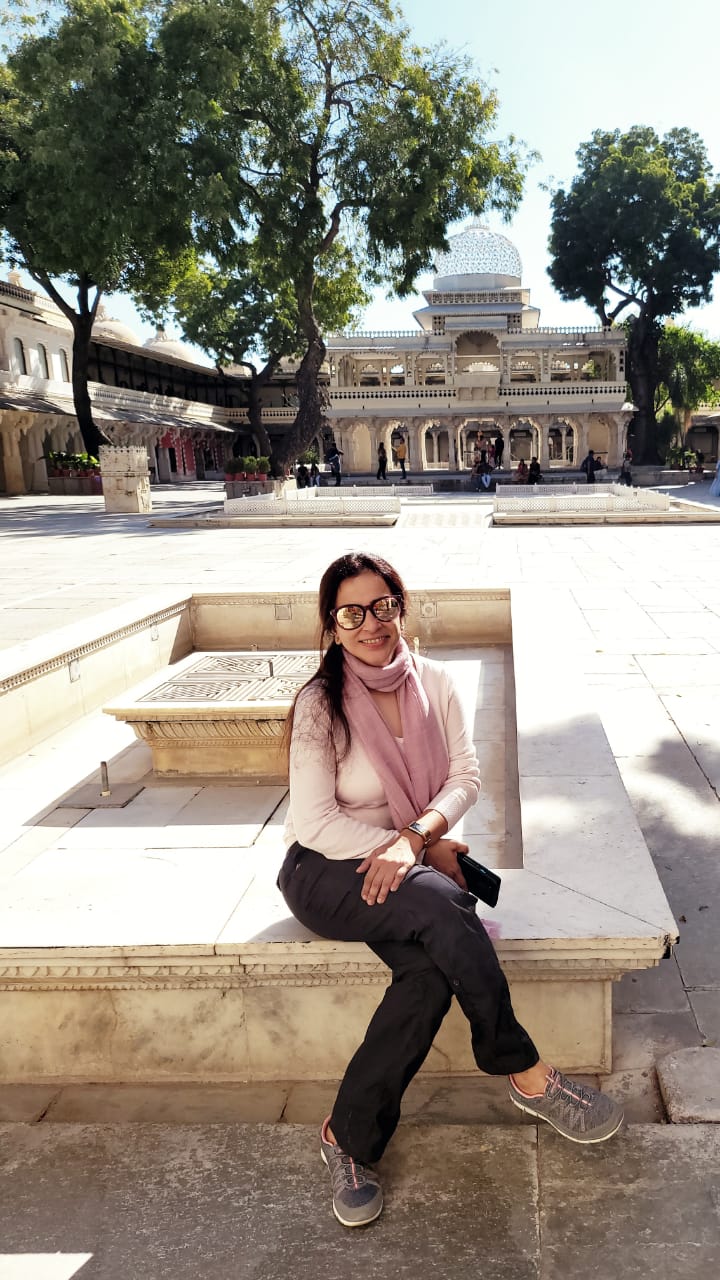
(228, 1181)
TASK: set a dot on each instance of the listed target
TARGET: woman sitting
(382, 767)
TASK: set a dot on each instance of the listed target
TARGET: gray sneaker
(577, 1111)
(357, 1194)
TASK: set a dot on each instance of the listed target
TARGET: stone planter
(125, 479)
(247, 488)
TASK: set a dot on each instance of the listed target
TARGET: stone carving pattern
(93, 646)
(479, 251)
(191, 733)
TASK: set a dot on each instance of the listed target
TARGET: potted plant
(263, 466)
(251, 466)
(235, 469)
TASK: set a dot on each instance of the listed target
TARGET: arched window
(64, 366)
(43, 361)
(20, 355)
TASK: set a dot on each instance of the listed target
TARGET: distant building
(479, 363)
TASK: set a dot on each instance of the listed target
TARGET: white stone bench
(572, 487)
(218, 714)
(541, 500)
(360, 491)
(337, 505)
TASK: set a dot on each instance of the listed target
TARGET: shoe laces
(567, 1091)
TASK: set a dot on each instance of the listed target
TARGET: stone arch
(599, 436)
(477, 342)
(563, 441)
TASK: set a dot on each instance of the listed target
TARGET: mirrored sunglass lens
(350, 616)
(386, 609)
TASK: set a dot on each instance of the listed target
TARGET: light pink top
(340, 809)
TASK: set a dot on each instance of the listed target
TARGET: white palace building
(478, 363)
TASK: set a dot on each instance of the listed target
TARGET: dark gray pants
(429, 935)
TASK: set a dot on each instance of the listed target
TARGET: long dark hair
(329, 675)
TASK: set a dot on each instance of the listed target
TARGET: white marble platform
(152, 939)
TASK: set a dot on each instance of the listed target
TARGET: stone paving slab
(251, 1202)
(240, 1202)
(690, 1085)
(644, 1206)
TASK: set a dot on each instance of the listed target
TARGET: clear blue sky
(562, 70)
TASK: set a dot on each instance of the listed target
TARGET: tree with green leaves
(688, 371)
(92, 179)
(331, 139)
(637, 235)
(239, 313)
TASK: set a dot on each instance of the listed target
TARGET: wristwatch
(421, 831)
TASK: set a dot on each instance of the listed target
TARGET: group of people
(381, 768)
(400, 450)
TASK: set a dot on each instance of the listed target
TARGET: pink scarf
(413, 773)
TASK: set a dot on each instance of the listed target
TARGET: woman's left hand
(442, 855)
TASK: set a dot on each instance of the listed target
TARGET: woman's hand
(442, 855)
(385, 869)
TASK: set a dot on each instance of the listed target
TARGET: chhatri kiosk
(479, 362)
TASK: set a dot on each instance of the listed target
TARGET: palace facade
(477, 364)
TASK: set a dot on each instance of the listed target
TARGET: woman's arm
(461, 788)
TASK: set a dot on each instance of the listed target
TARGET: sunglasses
(351, 616)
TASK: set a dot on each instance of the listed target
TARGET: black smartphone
(482, 883)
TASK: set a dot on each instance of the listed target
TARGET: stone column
(416, 435)
(616, 438)
(126, 482)
(14, 475)
(582, 433)
(543, 426)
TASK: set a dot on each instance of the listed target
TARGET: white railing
(392, 393)
(586, 390)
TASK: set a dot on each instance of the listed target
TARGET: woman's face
(374, 642)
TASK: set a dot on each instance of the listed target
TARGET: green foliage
(688, 370)
(59, 461)
(638, 232)
(93, 184)
(263, 464)
(327, 153)
(234, 466)
(640, 221)
(250, 465)
(89, 175)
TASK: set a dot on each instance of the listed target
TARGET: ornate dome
(109, 330)
(163, 345)
(477, 251)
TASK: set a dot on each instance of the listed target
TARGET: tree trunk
(257, 382)
(643, 341)
(91, 434)
(310, 420)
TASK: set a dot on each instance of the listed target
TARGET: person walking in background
(400, 456)
(535, 475)
(499, 448)
(382, 462)
(314, 475)
(715, 486)
(333, 459)
(590, 465)
(381, 768)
